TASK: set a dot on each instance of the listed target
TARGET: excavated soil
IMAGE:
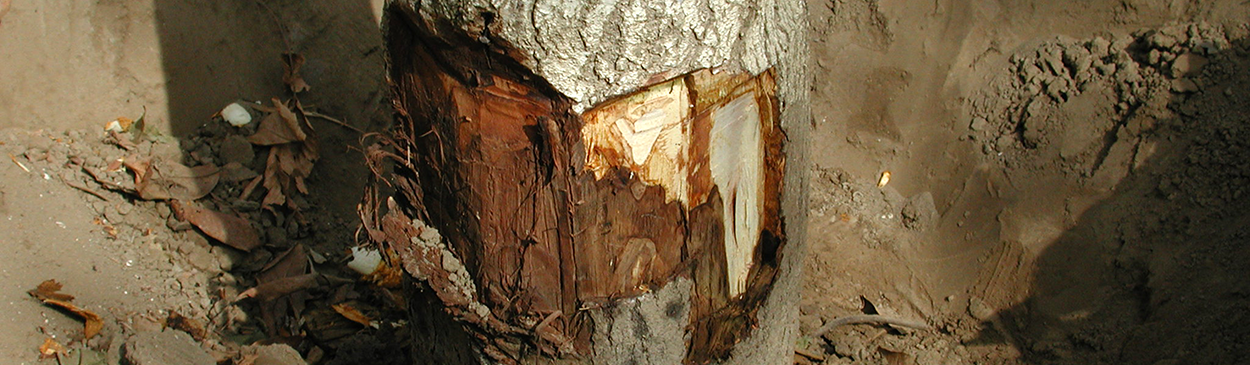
(992, 182)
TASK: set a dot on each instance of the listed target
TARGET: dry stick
(19, 164)
(85, 190)
(333, 120)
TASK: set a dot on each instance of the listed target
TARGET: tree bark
(547, 216)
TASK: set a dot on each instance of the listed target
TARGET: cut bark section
(522, 216)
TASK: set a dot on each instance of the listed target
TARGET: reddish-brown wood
(537, 214)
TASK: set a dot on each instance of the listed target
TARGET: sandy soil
(1061, 179)
(1066, 179)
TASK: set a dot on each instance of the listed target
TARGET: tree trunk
(575, 184)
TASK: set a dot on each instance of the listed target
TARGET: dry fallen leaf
(289, 263)
(281, 126)
(48, 290)
(285, 172)
(231, 230)
(121, 140)
(279, 288)
(48, 293)
(160, 180)
(50, 349)
(292, 154)
(353, 314)
(291, 63)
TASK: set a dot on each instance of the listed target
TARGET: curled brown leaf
(48, 292)
(291, 63)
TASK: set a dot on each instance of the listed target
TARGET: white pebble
(236, 115)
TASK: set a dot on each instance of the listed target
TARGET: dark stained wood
(494, 160)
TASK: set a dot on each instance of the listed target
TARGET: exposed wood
(522, 216)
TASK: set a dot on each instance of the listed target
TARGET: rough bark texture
(494, 157)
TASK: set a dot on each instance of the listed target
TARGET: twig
(810, 354)
(19, 163)
(333, 120)
(867, 318)
(103, 182)
(85, 190)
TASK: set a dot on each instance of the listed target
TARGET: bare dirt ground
(1067, 181)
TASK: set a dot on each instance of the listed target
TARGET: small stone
(1166, 57)
(277, 354)
(197, 240)
(167, 347)
(176, 225)
(1184, 86)
(978, 124)
(920, 212)
(202, 259)
(236, 314)
(1032, 89)
(1099, 47)
(1106, 69)
(112, 215)
(236, 148)
(1160, 40)
(979, 309)
(1056, 90)
(226, 257)
(1030, 72)
(99, 207)
(1004, 142)
(809, 323)
(163, 210)
(236, 115)
(94, 161)
(124, 208)
(1054, 62)
(1187, 65)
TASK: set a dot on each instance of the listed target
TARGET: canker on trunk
(519, 218)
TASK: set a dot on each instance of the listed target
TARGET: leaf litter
(219, 197)
(51, 349)
(49, 293)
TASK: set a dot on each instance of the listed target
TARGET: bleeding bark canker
(551, 214)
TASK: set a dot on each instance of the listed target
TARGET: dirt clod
(164, 347)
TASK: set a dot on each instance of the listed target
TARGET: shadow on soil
(218, 52)
(1156, 273)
